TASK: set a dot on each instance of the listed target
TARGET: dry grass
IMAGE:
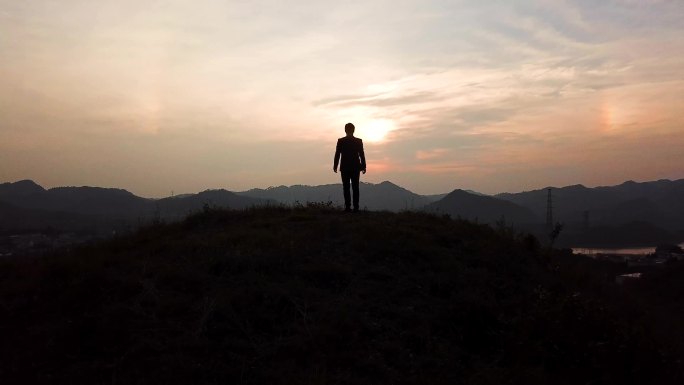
(310, 295)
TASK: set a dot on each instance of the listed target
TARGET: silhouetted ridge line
(629, 214)
(655, 206)
(485, 209)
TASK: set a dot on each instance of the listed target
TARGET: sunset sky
(493, 96)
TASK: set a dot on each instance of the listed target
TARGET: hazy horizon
(493, 97)
(175, 193)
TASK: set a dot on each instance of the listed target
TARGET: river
(623, 251)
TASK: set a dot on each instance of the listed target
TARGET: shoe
(347, 210)
(356, 209)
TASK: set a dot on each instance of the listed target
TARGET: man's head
(349, 128)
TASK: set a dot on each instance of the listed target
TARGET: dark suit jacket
(351, 150)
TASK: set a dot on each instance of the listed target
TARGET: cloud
(379, 100)
(499, 94)
(434, 153)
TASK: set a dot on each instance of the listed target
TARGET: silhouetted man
(353, 163)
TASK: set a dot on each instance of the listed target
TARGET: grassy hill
(309, 295)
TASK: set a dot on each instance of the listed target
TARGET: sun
(376, 130)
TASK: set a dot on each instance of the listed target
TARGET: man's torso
(349, 148)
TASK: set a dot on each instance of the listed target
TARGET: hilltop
(310, 295)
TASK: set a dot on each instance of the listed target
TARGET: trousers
(350, 179)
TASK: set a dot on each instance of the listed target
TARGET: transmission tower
(549, 210)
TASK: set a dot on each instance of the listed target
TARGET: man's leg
(345, 187)
(355, 187)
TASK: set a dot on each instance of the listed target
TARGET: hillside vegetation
(310, 295)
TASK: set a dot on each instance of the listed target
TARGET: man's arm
(362, 156)
(337, 156)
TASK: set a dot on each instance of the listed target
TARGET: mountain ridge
(658, 202)
(462, 204)
(579, 208)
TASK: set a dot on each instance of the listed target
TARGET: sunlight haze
(161, 96)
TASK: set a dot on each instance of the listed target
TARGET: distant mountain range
(481, 208)
(658, 206)
(25, 205)
(635, 208)
(660, 202)
(382, 196)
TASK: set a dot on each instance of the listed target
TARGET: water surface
(623, 251)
